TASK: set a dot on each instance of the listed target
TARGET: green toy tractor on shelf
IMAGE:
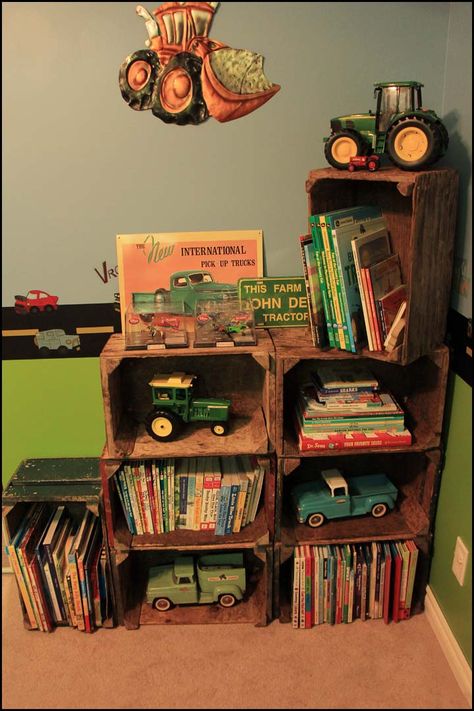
(413, 137)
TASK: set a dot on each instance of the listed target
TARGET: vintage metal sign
(277, 301)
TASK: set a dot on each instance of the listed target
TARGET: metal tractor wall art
(413, 137)
(184, 76)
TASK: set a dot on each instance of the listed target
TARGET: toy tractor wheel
(227, 600)
(379, 510)
(178, 93)
(373, 163)
(341, 147)
(315, 520)
(137, 77)
(162, 426)
(162, 604)
(413, 143)
(220, 428)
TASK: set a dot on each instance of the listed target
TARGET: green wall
(50, 408)
(454, 517)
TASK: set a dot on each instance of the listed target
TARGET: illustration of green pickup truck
(186, 287)
(331, 496)
(215, 577)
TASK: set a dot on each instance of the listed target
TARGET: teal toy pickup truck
(331, 496)
(215, 577)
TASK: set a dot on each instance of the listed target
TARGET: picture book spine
(146, 498)
(397, 559)
(315, 553)
(94, 589)
(155, 475)
(214, 503)
(321, 583)
(172, 501)
(388, 583)
(342, 290)
(317, 301)
(309, 572)
(327, 573)
(363, 587)
(334, 285)
(231, 512)
(258, 493)
(323, 278)
(132, 491)
(69, 597)
(137, 482)
(309, 297)
(31, 526)
(411, 577)
(124, 496)
(405, 551)
(295, 618)
(164, 498)
(76, 591)
(25, 595)
(222, 509)
(206, 502)
(302, 601)
(363, 295)
(352, 574)
(198, 495)
(49, 587)
(37, 584)
(347, 578)
(240, 504)
(373, 314)
(349, 440)
(151, 497)
(340, 579)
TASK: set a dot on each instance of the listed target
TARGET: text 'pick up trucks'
(215, 577)
(331, 496)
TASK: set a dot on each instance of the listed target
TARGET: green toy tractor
(173, 404)
(411, 136)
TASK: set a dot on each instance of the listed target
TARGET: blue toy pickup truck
(331, 496)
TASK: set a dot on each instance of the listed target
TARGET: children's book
(388, 306)
(314, 295)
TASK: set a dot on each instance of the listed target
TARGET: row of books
(340, 583)
(219, 494)
(343, 405)
(353, 281)
(61, 569)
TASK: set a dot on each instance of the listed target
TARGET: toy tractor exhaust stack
(184, 76)
(413, 137)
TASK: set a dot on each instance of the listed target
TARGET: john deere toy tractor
(173, 404)
(411, 136)
(184, 76)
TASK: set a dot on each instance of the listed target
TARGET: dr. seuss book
(181, 267)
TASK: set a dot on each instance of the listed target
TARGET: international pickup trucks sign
(277, 301)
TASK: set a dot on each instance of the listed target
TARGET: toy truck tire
(379, 510)
(413, 143)
(220, 429)
(162, 604)
(315, 520)
(341, 146)
(137, 78)
(227, 600)
(177, 97)
(162, 426)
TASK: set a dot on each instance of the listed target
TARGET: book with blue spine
(223, 505)
(191, 492)
(124, 496)
(232, 509)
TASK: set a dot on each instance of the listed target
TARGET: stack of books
(218, 494)
(353, 281)
(341, 583)
(61, 569)
(343, 407)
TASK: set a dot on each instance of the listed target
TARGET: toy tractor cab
(173, 404)
(411, 136)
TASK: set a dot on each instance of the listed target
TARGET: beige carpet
(364, 665)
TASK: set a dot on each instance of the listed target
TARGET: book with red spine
(388, 580)
(374, 323)
(353, 440)
(309, 573)
(397, 577)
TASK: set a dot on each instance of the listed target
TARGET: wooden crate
(416, 476)
(130, 572)
(259, 533)
(419, 387)
(420, 210)
(245, 375)
(283, 578)
(73, 482)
